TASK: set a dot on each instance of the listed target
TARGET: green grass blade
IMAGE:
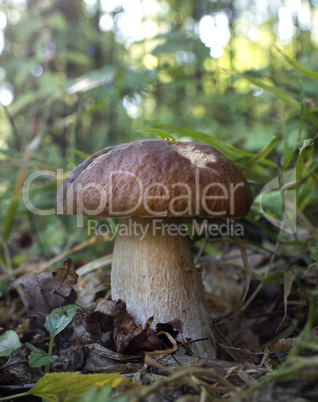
(158, 131)
(291, 153)
(259, 83)
(259, 156)
(296, 66)
(227, 149)
(279, 94)
(81, 154)
(10, 217)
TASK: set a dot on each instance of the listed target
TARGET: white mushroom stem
(154, 273)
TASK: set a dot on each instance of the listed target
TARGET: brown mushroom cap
(152, 178)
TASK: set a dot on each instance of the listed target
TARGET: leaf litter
(258, 340)
(47, 291)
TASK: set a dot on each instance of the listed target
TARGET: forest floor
(266, 339)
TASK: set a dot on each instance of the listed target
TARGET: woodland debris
(113, 327)
(48, 291)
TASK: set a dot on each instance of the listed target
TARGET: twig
(14, 129)
(198, 256)
(248, 271)
(189, 373)
(19, 288)
(47, 265)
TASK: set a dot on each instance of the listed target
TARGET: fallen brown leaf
(283, 345)
(67, 274)
(17, 369)
(112, 326)
(47, 291)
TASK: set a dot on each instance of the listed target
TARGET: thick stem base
(154, 273)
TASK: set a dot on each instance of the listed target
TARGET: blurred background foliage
(80, 75)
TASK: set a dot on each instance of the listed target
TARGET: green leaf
(296, 66)
(303, 165)
(91, 80)
(82, 154)
(74, 384)
(10, 217)
(273, 278)
(79, 58)
(175, 41)
(95, 395)
(259, 83)
(255, 138)
(227, 149)
(103, 395)
(39, 358)
(314, 255)
(57, 21)
(305, 157)
(22, 102)
(259, 156)
(288, 283)
(162, 133)
(270, 279)
(9, 341)
(59, 319)
(279, 94)
(257, 275)
(290, 154)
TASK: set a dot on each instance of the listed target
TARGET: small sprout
(59, 319)
(55, 322)
(39, 358)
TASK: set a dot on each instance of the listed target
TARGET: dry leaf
(47, 291)
(112, 326)
(283, 345)
(17, 369)
(67, 274)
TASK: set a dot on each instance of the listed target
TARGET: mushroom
(151, 185)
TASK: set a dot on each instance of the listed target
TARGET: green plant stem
(8, 398)
(47, 366)
(284, 371)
